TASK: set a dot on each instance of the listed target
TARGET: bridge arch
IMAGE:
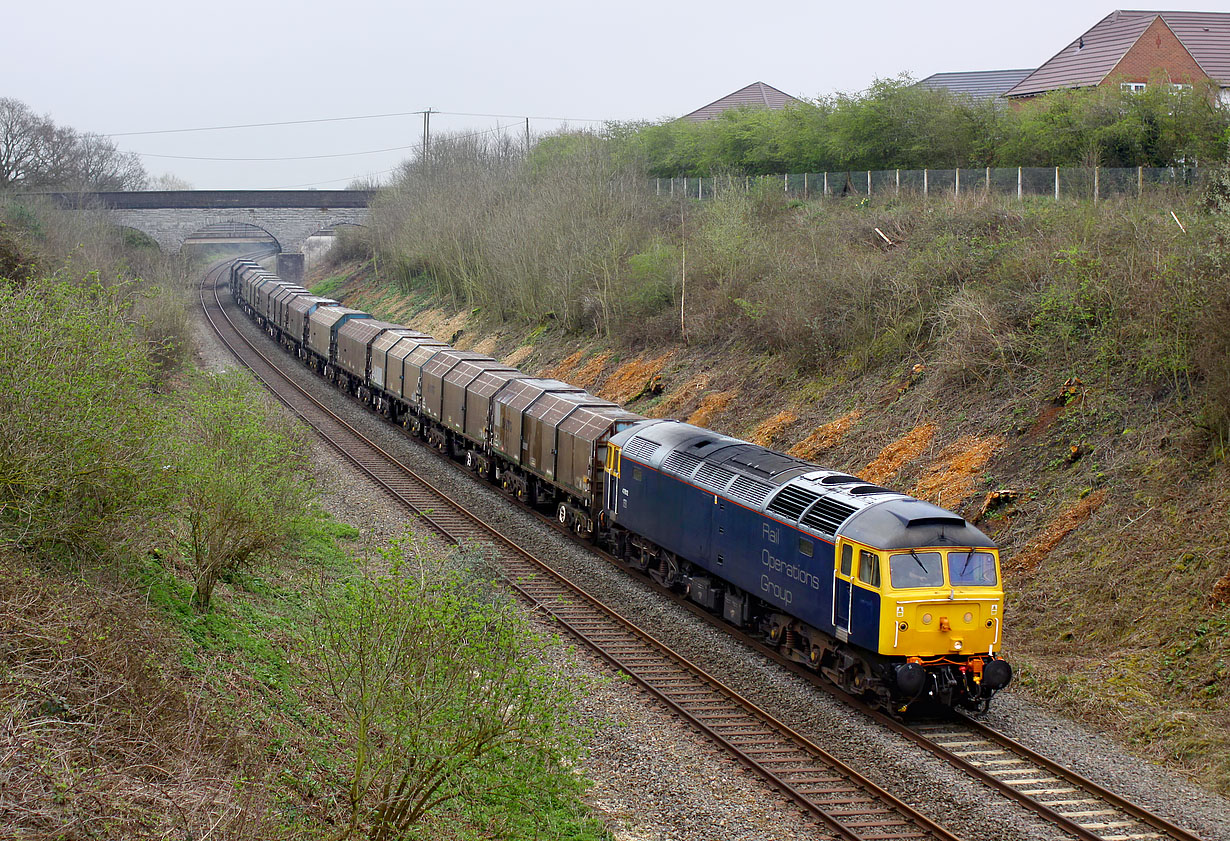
(228, 231)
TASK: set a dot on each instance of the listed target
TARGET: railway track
(848, 804)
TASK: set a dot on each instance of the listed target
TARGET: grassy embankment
(1058, 374)
(130, 485)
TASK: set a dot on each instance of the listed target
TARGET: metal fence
(1089, 183)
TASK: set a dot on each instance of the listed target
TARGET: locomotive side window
(869, 568)
(636, 474)
(973, 568)
(805, 546)
(916, 569)
(847, 559)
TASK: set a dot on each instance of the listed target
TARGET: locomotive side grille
(791, 502)
(749, 491)
(714, 476)
(681, 464)
(642, 449)
(827, 515)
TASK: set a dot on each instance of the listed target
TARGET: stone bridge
(171, 217)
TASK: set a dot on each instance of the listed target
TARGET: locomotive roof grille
(749, 491)
(640, 448)
(792, 501)
(717, 477)
(863, 490)
(827, 515)
(681, 464)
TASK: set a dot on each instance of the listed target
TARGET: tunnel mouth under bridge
(221, 239)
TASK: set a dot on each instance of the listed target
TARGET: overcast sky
(133, 65)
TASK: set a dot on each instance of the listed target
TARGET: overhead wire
(355, 117)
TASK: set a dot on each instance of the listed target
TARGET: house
(1134, 48)
(755, 95)
(977, 85)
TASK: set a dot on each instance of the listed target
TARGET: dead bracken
(899, 453)
(951, 479)
(767, 432)
(1057, 530)
(710, 407)
(634, 378)
(825, 437)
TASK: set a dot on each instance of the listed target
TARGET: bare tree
(35, 152)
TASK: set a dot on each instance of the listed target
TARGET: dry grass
(825, 437)
(767, 432)
(632, 379)
(711, 406)
(951, 479)
(588, 374)
(898, 454)
(103, 733)
(518, 356)
(563, 369)
(680, 397)
(486, 345)
(1055, 531)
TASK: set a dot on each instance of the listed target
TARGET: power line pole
(527, 135)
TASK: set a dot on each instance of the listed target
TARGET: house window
(1132, 87)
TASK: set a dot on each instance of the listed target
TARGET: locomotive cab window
(869, 568)
(916, 569)
(847, 559)
(974, 569)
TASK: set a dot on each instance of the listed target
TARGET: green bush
(78, 475)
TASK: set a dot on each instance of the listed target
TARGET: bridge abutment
(289, 267)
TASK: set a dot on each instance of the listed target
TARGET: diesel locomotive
(893, 599)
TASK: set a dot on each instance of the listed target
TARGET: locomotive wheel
(561, 514)
(470, 459)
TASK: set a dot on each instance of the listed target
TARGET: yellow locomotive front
(942, 603)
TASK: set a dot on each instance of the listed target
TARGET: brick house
(1135, 49)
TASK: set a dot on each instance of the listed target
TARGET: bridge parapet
(170, 217)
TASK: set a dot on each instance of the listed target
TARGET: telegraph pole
(426, 133)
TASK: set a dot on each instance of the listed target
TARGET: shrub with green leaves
(241, 473)
(444, 692)
(78, 475)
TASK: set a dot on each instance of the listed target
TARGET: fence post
(897, 191)
(672, 186)
(700, 189)
(1056, 183)
(657, 186)
(685, 186)
(924, 183)
(1018, 184)
(957, 181)
(805, 186)
(1140, 181)
(1095, 184)
(826, 185)
(747, 183)
(786, 183)
(868, 183)
(988, 182)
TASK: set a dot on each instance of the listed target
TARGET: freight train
(893, 599)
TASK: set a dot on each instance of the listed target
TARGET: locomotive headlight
(969, 617)
(957, 644)
(926, 618)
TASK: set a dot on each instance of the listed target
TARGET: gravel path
(656, 779)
